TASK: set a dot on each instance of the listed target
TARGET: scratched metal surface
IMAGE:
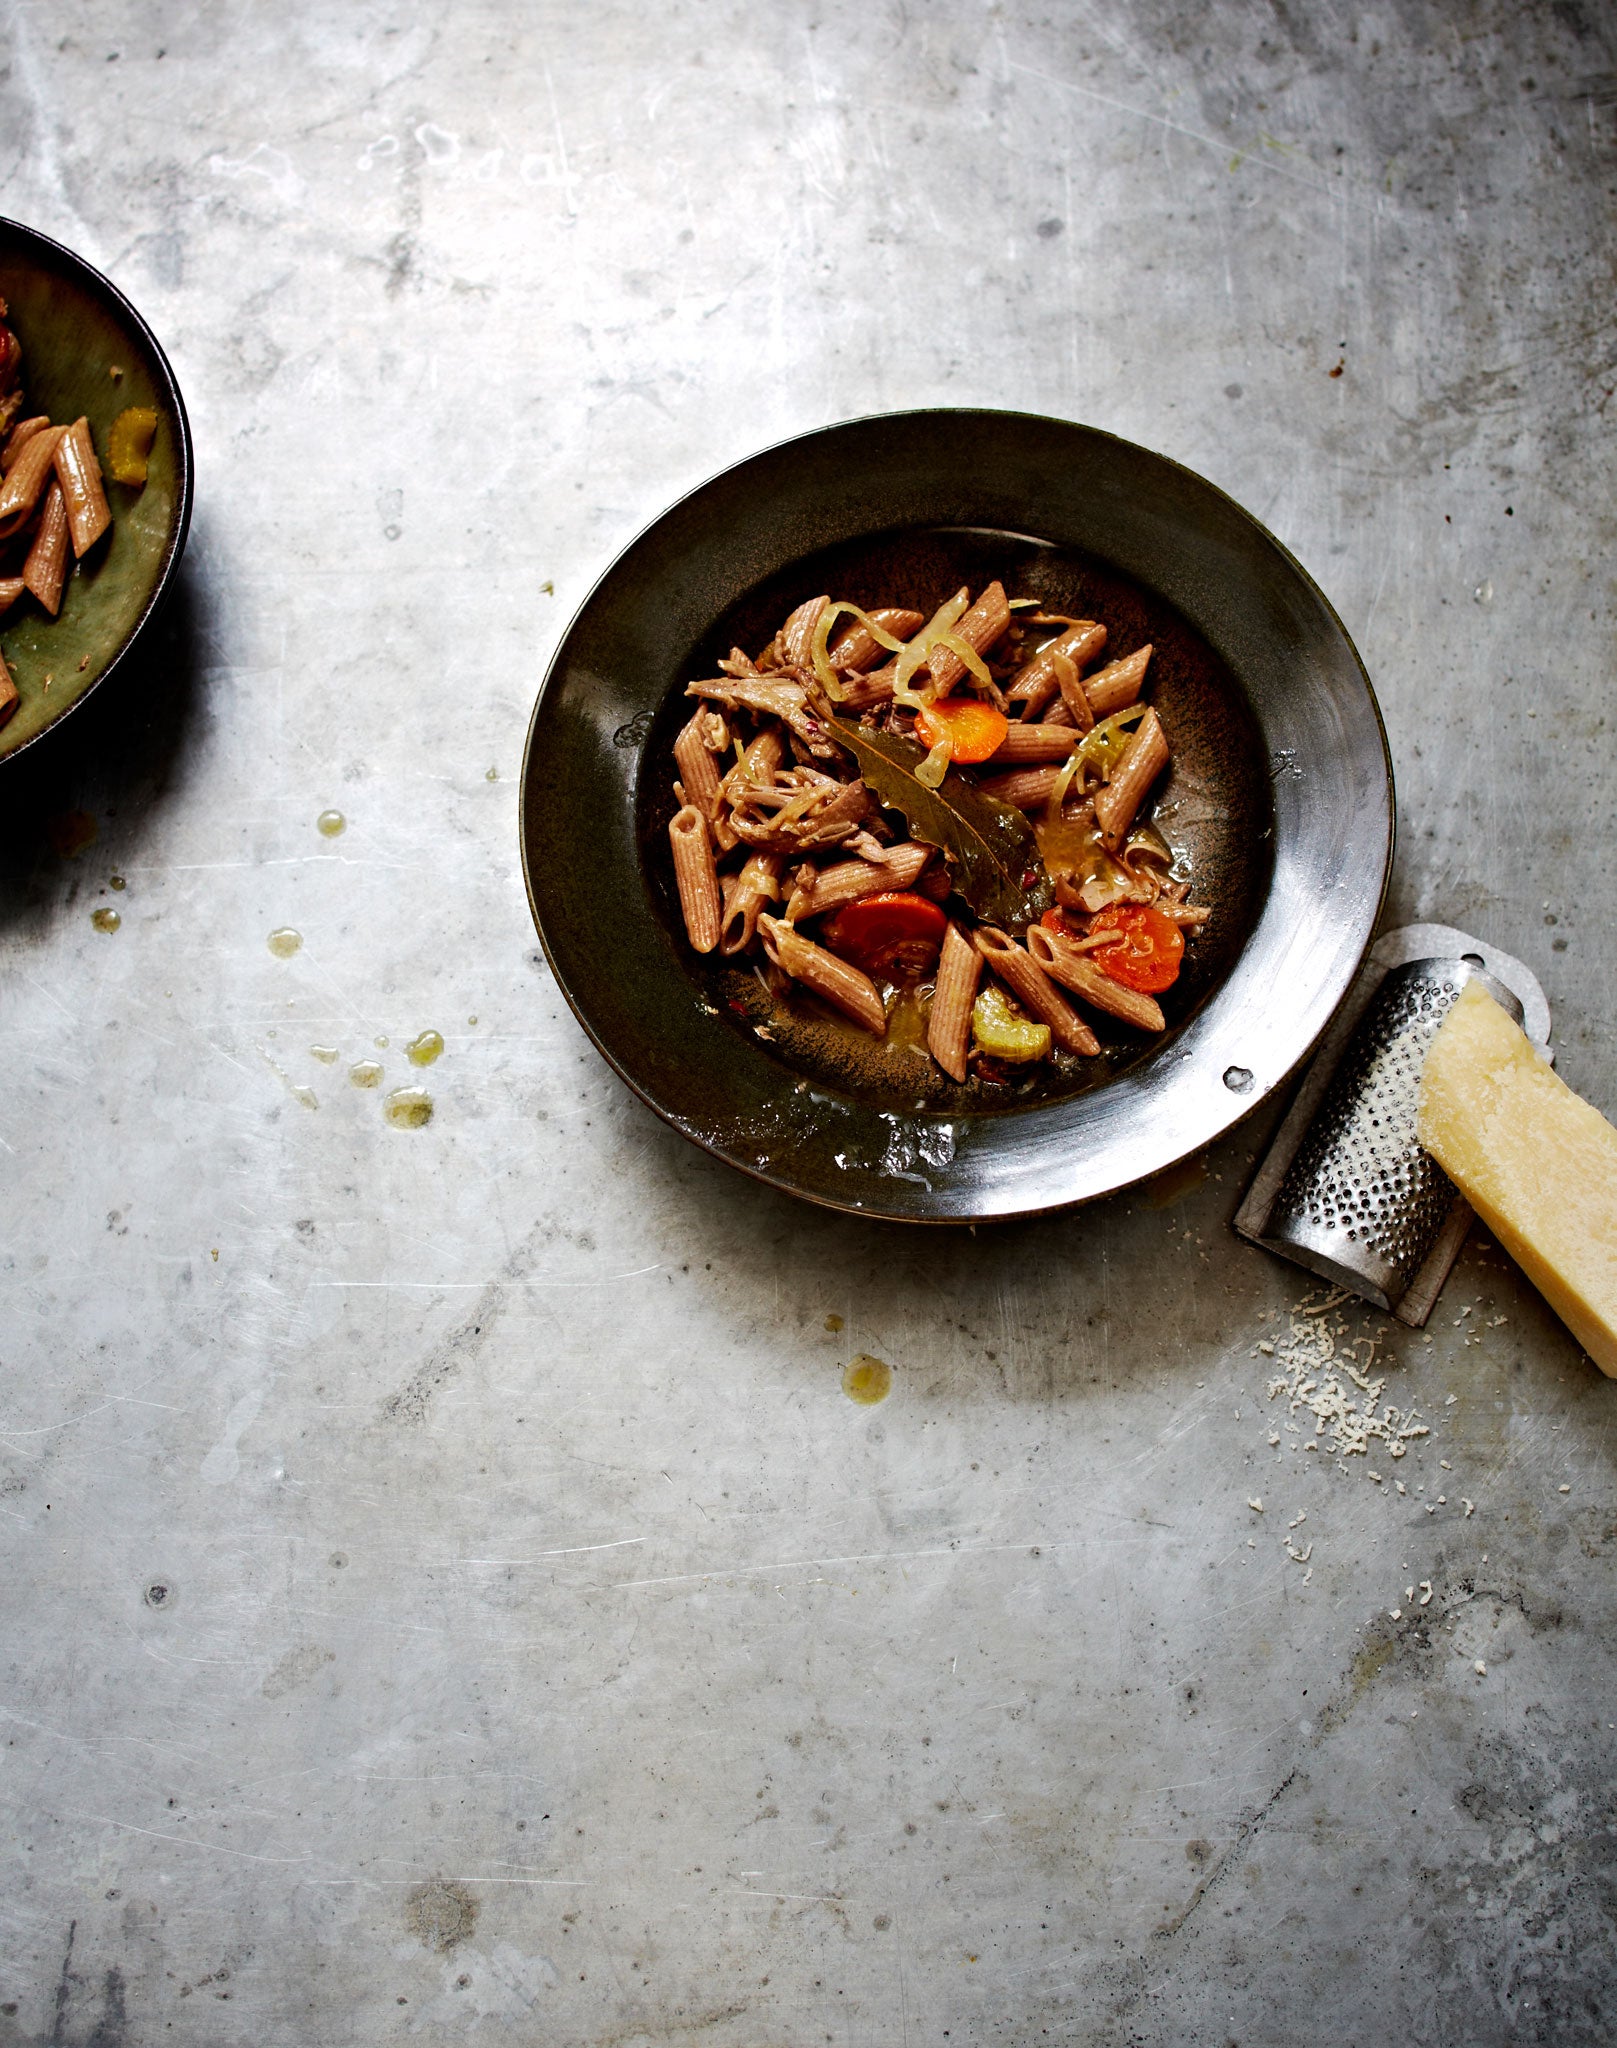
(447, 1591)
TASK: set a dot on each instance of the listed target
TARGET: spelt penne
(948, 1027)
(1062, 961)
(796, 638)
(1036, 682)
(840, 983)
(79, 474)
(1034, 990)
(11, 588)
(858, 648)
(694, 748)
(987, 621)
(1119, 684)
(745, 894)
(26, 479)
(46, 567)
(791, 820)
(1025, 745)
(696, 877)
(24, 430)
(1024, 789)
(1074, 697)
(849, 881)
(1142, 763)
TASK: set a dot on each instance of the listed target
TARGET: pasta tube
(1033, 990)
(948, 1028)
(1142, 763)
(745, 895)
(850, 880)
(841, 984)
(1037, 682)
(1063, 962)
(79, 474)
(1118, 685)
(986, 622)
(693, 751)
(11, 588)
(1025, 744)
(25, 479)
(23, 431)
(696, 877)
(858, 648)
(46, 566)
(1024, 789)
(796, 637)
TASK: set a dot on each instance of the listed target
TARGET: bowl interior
(1216, 806)
(1281, 780)
(76, 331)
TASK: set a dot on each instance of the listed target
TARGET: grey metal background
(550, 1652)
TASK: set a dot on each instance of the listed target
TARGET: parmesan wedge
(1535, 1161)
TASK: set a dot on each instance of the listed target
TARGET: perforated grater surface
(1346, 1189)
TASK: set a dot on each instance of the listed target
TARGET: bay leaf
(991, 847)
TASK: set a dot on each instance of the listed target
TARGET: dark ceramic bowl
(1281, 790)
(76, 329)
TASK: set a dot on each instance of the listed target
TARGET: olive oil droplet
(408, 1109)
(105, 920)
(116, 882)
(867, 1380)
(325, 1054)
(424, 1050)
(365, 1073)
(285, 942)
(331, 823)
(380, 1044)
(493, 775)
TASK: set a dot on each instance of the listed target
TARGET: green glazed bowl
(76, 330)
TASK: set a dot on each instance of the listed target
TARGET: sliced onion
(964, 651)
(942, 621)
(936, 765)
(1063, 782)
(830, 681)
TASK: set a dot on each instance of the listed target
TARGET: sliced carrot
(1150, 951)
(974, 729)
(890, 936)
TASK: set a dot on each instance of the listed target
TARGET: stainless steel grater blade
(1346, 1188)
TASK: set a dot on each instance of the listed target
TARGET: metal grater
(1346, 1189)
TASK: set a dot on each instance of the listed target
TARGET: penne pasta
(1036, 682)
(858, 648)
(696, 877)
(987, 621)
(803, 813)
(24, 430)
(948, 1028)
(797, 635)
(79, 474)
(1034, 990)
(1061, 959)
(841, 984)
(1142, 763)
(8, 692)
(1074, 697)
(26, 478)
(697, 743)
(851, 881)
(11, 588)
(1024, 789)
(46, 567)
(745, 895)
(1118, 685)
(1026, 745)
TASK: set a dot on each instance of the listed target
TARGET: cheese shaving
(1321, 1380)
